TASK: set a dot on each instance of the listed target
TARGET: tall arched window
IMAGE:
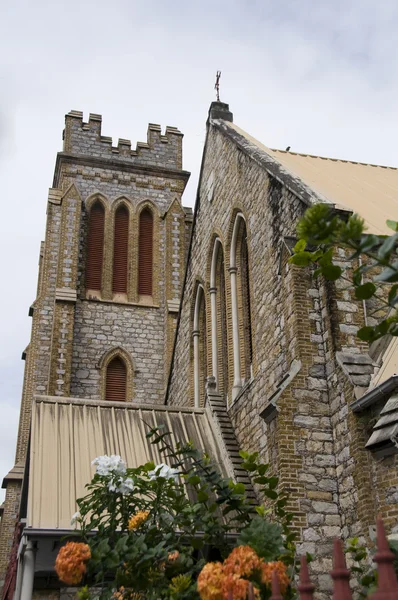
(95, 247)
(240, 305)
(199, 348)
(246, 309)
(116, 380)
(219, 339)
(145, 253)
(120, 250)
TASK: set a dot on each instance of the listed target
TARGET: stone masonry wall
(70, 333)
(314, 443)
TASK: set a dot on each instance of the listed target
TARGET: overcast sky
(318, 76)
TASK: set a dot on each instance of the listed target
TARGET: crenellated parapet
(85, 138)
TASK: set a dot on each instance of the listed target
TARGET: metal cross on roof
(217, 85)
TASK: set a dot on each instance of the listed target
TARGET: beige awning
(67, 434)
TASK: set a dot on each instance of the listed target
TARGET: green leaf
(365, 291)
(392, 224)
(357, 277)
(331, 272)
(300, 246)
(366, 333)
(327, 258)
(202, 496)
(392, 295)
(264, 537)
(301, 259)
(368, 242)
(193, 479)
(273, 482)
(271, 494)
(389, 274)
(387, 246)
(239, 488)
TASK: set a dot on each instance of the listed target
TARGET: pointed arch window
(246, 308)
(145, 253)
(240, 305)
(199, 348)
(120, 250)
(219, 340)
(95, 247)
(116, 380)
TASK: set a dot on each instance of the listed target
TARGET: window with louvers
(95, 247)
(116, 380)
(145, 253)
(120, 250)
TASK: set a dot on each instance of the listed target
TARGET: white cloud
(320, 77)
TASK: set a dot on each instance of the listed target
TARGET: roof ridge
(353, 162)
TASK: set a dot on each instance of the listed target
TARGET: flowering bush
(152, 531)
(241, 567)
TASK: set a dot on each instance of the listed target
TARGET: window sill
(146, 301)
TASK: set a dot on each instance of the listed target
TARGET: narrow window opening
(247, 324)
(145, 253)
(95, 247)
(120, 251)
(116, 380)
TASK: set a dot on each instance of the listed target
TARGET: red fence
(387, 588)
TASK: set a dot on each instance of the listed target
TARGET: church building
(147, 313)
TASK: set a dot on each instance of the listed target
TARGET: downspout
(28, 571)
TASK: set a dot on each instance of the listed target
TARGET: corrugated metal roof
(369, 190)
(67, 434)
(389, 365)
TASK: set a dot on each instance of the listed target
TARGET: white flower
(107, 465)
(75, 518)
(121, 486)
(164, 471)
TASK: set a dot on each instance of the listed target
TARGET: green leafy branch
(371, 264)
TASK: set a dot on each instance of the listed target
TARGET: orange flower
(138, 519)
(70, 563)
(242, 561)
(173, 556)
(210, 582)
(238, 586)
(266, 574)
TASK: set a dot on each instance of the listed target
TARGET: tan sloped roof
(67, 434)
(369, 190)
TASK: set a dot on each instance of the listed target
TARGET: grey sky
(318, 76)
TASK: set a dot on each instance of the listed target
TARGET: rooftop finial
(217, 85)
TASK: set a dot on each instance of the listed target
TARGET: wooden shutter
(95, 247)
(116, 377)
(145, 253)
(120, 250)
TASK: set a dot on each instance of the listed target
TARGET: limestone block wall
(100, 327)
(314, 442)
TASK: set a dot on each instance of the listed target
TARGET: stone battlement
(85, 138)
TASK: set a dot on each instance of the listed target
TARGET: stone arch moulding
(130, 370)
(92, 199)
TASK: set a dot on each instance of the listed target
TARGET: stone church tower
(110, 278)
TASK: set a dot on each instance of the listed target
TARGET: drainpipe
(28, 572)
